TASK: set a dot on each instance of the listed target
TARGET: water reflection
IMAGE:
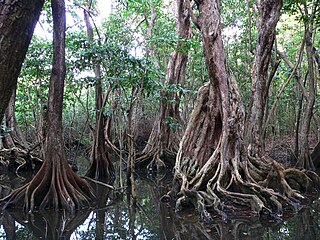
(117, 218)
(43, 225)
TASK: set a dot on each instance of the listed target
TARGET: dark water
(150, 219)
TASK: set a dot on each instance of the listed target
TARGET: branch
(94, 23)
(140, 22)
(283, 87)
(98, 182)
(249, 27)
(193, 17)
(285, 58)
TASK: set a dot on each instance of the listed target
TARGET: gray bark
(269, 17)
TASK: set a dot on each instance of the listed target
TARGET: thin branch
(98, 182)
(94, 23)
(193, 17)
(249, 27)
(283, 87)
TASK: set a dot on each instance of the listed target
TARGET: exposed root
(301, 180)
(17, 159)
(55, 186)
(156, 150)
(211, 172)
(157, 163)
(99, 183)
(101, 169)
(233, 186)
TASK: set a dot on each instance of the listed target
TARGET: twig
(98, 182)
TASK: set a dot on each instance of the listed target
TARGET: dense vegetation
(131, 56)
(118, 89)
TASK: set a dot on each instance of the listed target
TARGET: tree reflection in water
(117, 218)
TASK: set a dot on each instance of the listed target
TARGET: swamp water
(150, 219)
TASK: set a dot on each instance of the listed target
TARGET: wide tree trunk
(17, 22)
(55, 185)
(166, 133)
(212, 170)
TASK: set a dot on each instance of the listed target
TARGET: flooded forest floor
(116, 217)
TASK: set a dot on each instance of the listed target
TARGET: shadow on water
(117, 218)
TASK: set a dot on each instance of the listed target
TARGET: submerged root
(156, 163)
(214, 173)
(55, 186)
(18, 159)
(45, 225)
(224, 188)
(101, 169)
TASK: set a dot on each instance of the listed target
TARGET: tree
(269, 17)
(304, 158)
(17, 22)
(101, 167)
(55, 185)
(212, 168)
(13, 136)
(166, 133)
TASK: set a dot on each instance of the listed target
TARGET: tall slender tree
(101, 167)
(304, 157)
(269, 17)
(55, 185)
(165, 137)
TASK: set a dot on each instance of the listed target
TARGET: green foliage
(303, 10)
(33, 84)
(133, 54)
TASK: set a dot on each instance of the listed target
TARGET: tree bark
(269, 16)
(101, 167)
(304, 158)
(17, 22)
(212, 171)
(14, 137)
(166, 133)
(55, 186)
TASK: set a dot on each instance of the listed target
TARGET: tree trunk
(211, 169)
(131, 150)
(295, 72)
(101, 167)
(55, 185)
(166, 133)
(14, 137)
(17, 22)
(315, 156)
(304, 158)
(9, 226)
(269, 16)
